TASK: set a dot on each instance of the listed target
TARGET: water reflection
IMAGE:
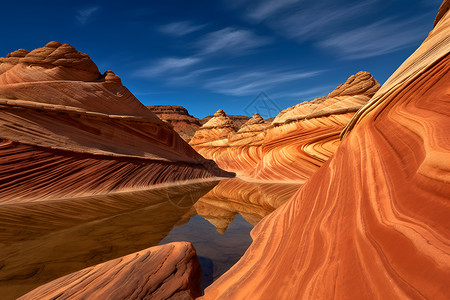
(41, 241)
(231, 208)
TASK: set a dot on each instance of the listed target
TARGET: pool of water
(43, 240)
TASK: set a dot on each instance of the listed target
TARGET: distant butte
(183, 123)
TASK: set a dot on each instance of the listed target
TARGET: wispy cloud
(379, 38)
(178, 29)
(319, 19)
(268, 8)
(230, 40)
(249, 83)
(83, 15)
(315, 92)
(167, 65)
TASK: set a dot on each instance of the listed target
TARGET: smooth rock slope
(373, 222)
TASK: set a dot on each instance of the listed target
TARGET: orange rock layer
(170, 271)
(373, 222)
(299, 140)
(57, 110)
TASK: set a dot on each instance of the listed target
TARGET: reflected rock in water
(234, 196)
(41, 241)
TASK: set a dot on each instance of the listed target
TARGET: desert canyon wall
(295, 144)
(68, 130)
(373, 222)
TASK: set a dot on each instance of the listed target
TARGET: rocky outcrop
(299, 140)
(170, 271)
(216, 129)
(238, 120)
(183, 123)
(61, 119)
(373, 221)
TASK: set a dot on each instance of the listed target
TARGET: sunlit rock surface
(183, 123)
(43, 240)
(62, 119)
(298, 141)
(373, 222)
(170, 271)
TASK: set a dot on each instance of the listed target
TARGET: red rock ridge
(373, 222)
(54, 99)
(183, 123)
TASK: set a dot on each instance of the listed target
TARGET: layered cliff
(373, 222)
(67, 130)
(297, 142)
(183, 123)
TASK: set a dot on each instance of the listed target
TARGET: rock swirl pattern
(373, 222)
(298, 141)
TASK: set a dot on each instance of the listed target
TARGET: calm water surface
(41, 241)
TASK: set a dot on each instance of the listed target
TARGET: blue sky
(206, 55)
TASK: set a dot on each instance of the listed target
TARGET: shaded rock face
(170, 271)
(373, 221)
(57, 108)
(297, 142)
(183, 123)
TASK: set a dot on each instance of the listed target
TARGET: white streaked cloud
(84, 15)
(379, 38)
(167, 65)
(266, 9)
(250, 83)
(178, 29)
(318, 20)
(230, 40)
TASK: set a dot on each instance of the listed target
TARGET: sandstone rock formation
(183, 123)
(61, 119)
(215, 130)
(43, 240)
(170, 271)
(373, 222)
(299, 140)
(238, 120)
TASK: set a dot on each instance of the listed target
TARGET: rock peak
(256, 119)
(360, 83)
(220, 113)
(53, 44)
(53, 54)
